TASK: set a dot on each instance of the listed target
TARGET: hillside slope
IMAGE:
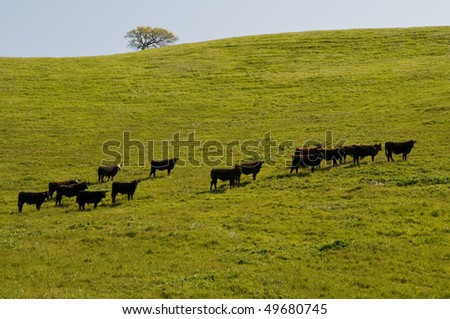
(378, 230)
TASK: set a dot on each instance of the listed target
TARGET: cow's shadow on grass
(222, 188)
(156, 177)
(323, 168)
(116, 204)
(64, 205)
(288, 175)
(354, 165)
(242, 184)
(91, 209)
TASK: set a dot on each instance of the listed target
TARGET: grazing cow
(123, 188)
(361, 151)
(109, 171)
(225, 174)
(90, 197)
(403, 148)
(53, 186)
(251, 168)
(162, 165)
(312, 161)
(334, 155)
(69, 191)
(31, 198)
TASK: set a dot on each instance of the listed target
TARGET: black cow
(90, 197)
(69, 191)
(312, 161)
(225, 174)
(53, 186)
(348, 150)
(361, 151)
(109, 171)
(250, 168)
(403, 148)
(162, 165)
(31, 198)
(123, 188)
(334, 155)
(312, 151)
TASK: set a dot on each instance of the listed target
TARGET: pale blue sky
(58, 28)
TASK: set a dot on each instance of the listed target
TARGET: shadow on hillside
(64, 204)
(288, 175)
(222, 188)
(325, 168)
(160, 176)
(352, 165)
(90, 207)
(117, 203)
(242, 184)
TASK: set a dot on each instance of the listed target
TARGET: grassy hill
(378, 230)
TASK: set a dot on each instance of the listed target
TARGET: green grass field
(378, 230)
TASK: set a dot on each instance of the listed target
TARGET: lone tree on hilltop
(143, 38)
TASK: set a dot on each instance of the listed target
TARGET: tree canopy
(143, 38)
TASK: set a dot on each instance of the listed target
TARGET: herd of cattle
(303, 157)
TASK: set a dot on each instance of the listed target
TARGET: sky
(63, 28)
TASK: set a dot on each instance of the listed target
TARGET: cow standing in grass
(69, 191)
(90, 197)
(403, 148)
(307, 157)
(334, 155)
(107, 171)
(312, 161)
(123, 188)
(168, 165)
(31, 198)
(361, 151)
(225, 174)
(348, 150)
(250, 168)
(53, 186)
